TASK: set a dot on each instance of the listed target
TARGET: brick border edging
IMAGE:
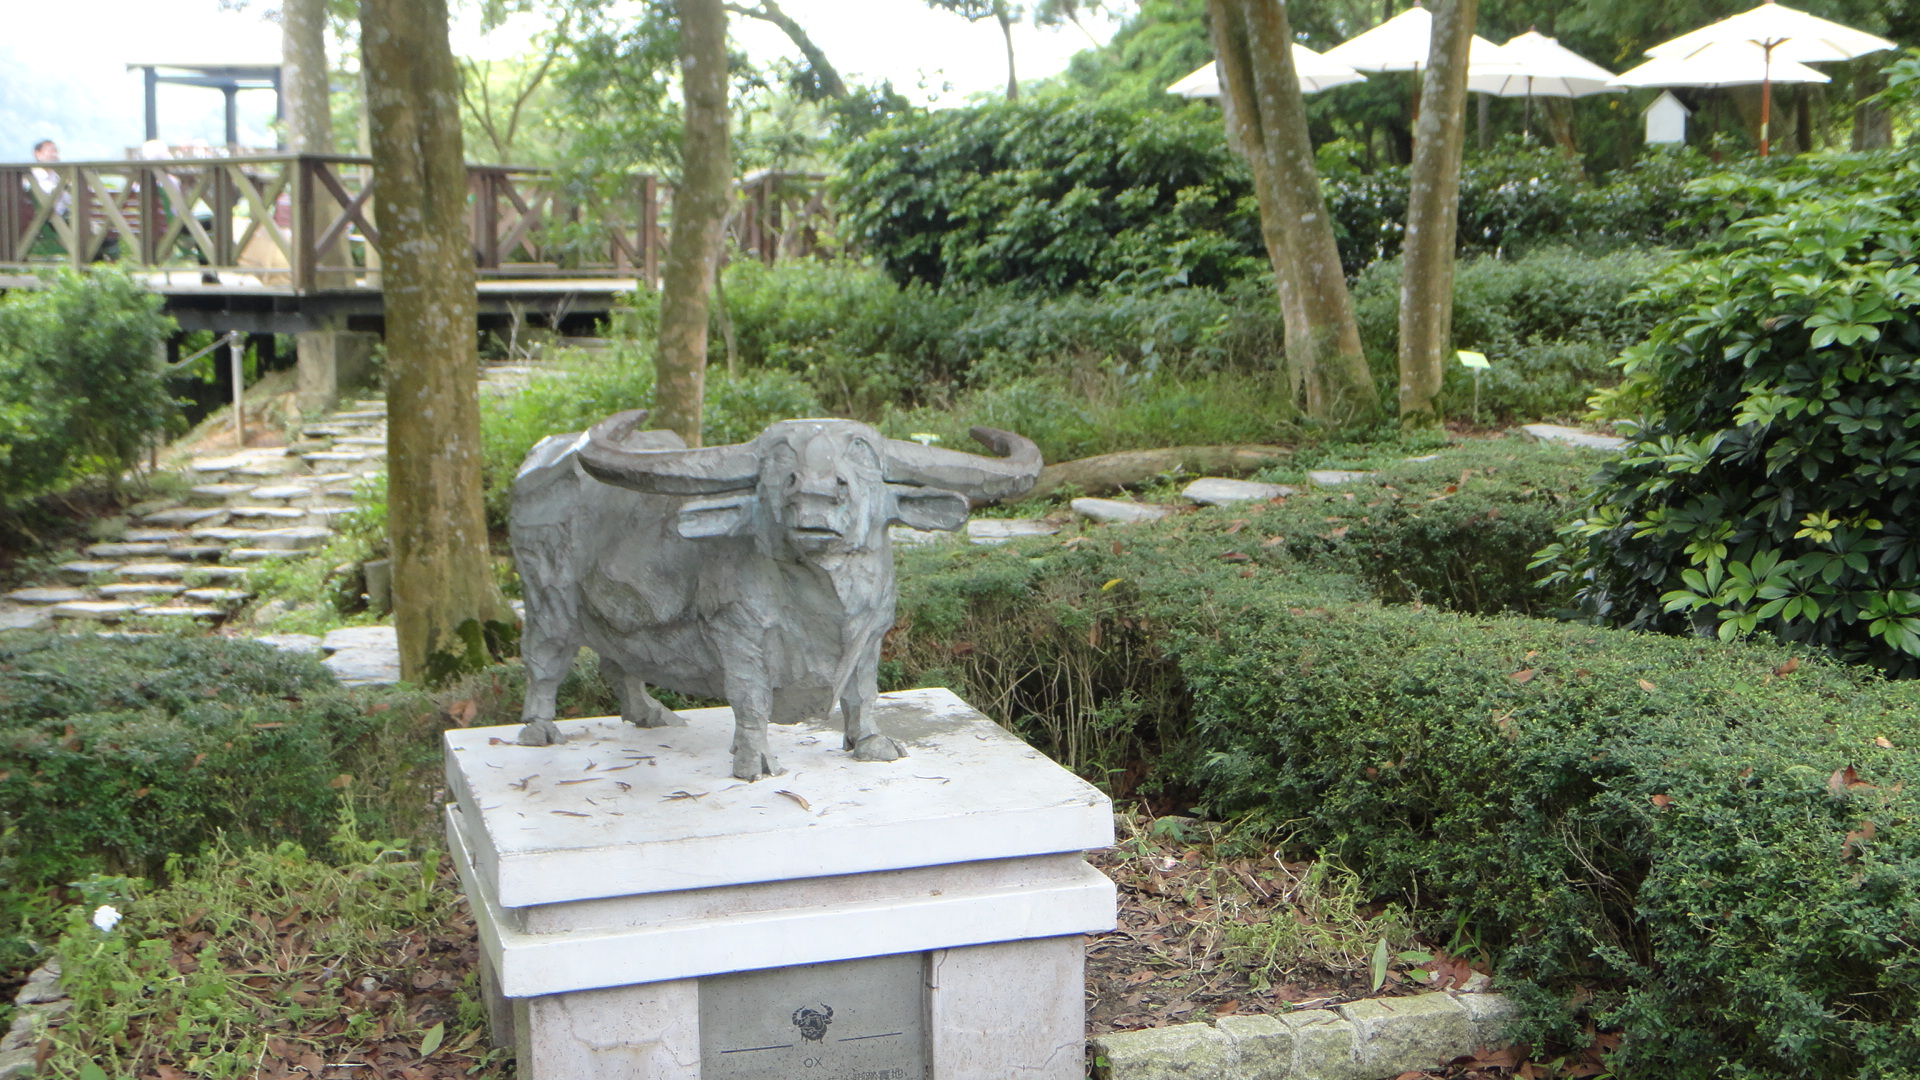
(39, 1003)
(1361, 1040)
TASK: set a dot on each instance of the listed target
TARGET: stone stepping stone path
(186, 559)
(1116, 512)
(1566, 436)
(1220, 491)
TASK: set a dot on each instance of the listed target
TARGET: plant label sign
(849, 1020)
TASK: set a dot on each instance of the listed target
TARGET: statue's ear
(927, 508)
(702, 519)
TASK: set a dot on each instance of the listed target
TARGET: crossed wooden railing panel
(305, 221)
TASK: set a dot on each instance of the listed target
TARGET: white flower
(924, 438)
(106, 917)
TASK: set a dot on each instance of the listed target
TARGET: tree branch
(831, 84)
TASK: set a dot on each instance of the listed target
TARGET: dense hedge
(1058, 194)
(115, 754)
(1710, 844)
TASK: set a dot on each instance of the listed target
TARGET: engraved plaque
(850, 1020)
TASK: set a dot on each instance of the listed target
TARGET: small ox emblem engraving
(813, 1023)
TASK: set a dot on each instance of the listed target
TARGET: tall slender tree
(700, 204)
(448, 611)
(1267, 120)
(1433, 212)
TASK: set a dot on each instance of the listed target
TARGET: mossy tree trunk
(700, 203)
(449, 613)
(1267, 119)
(1433, 211)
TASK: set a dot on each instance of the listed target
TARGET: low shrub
(82, 390)
(1551, 322)
(1770, 480)
(1709, 843)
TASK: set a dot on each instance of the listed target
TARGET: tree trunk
(304, 80)
(447, 609)
(1433, 212)
(699, 216)
(1267, 119)
(826, 77)
(1006, 31)
(1872, 123)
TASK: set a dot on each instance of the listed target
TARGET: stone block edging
(1374, 1039)
(39, 1004)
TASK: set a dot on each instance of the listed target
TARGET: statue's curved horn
(972, 475)
(658, 462)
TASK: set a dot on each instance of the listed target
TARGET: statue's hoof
(878, 748)
(660, 717)
(541, 733)
(755, 765)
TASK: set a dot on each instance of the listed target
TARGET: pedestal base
(910, 920)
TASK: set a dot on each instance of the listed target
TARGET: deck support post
(332, 361)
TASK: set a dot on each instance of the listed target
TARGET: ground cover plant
(1706, 843)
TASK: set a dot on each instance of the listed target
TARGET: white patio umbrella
(1534, 64)
(1782, 35)
(1402, 44)
(1315, 71)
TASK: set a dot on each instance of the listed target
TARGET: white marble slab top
(619, 810)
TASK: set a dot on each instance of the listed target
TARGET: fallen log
(1108, 473)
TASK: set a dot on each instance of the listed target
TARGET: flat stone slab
(281, 491)
(257, 554)
(273, 513)
(194, 551)
(46, 595)
(266, 470)
(153, 571)
(360, 414)
(220, 492)
(298, 538)
(328, 513)
(171, 611)
(329, 431)
(1566, 436)
(17, 617)
(84, 569)
(225, 534)
(223, 597)
(362, 637)
(220, 573)
(988, 795)
(125, 550)
(1396, 1035)
(293, 643)
(92, 609)
(323, 457)
(365, 667)
(134, 590)
(1335, 477)
(1115, 512)
(185, 515)
(240, 459)
(153, 536)
(1001, 530)
(1219, 490)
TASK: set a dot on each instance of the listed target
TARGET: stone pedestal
(646, 916)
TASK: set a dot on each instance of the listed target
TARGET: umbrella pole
(1529, 109)
(1766, 100)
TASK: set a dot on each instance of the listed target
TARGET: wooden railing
(306, 222)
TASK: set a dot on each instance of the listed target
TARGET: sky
(87, 101)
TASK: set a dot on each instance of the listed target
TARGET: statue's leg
(547, 658)
(863, 735)
(637, 706)
(752, 701)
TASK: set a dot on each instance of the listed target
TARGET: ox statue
(761, 573)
